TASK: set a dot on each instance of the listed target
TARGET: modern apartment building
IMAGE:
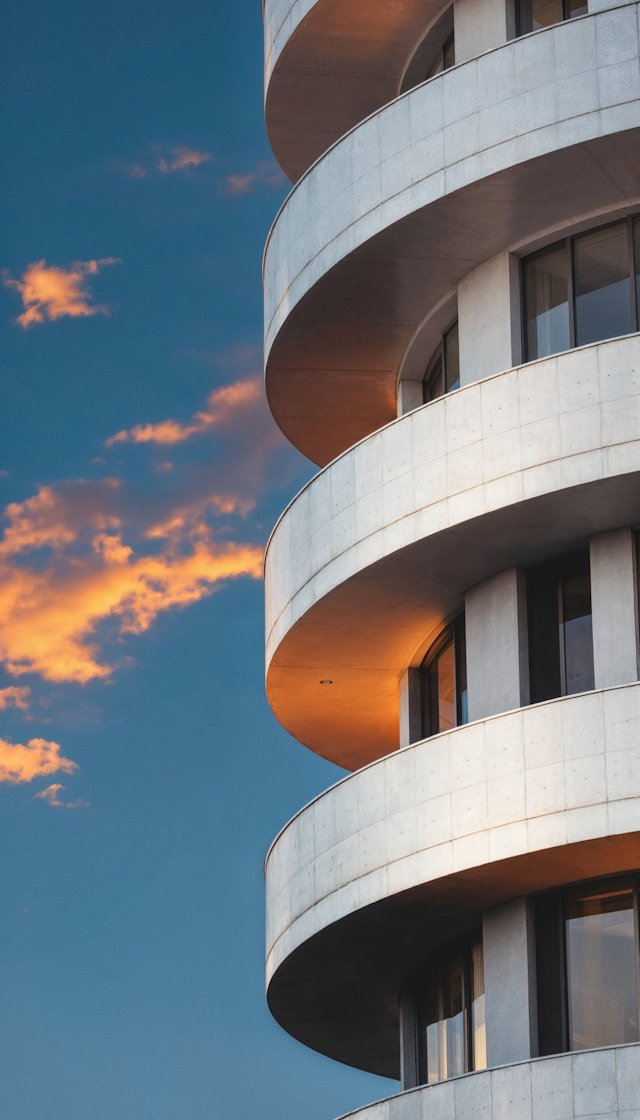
(452, 294)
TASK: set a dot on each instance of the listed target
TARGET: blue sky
(131, 893)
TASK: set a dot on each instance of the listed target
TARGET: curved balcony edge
(380, 547)
(390, 199)
(603, 1083)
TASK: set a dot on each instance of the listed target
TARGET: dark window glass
(451, 350)
(433, 384)
(445, 58)
(451, 1021)
(573, 8)
(546, 302)
(601, 284)
(560, 631)
(532, 15)
(601, 966)
(444, 682)
(636, 256)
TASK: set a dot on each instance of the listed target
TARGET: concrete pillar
(614, 605)
(489, 319)
(508, 943)
(480, 25)
(409, 396)
(497, 644)
(410, 708)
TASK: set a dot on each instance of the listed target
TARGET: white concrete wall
(410, 707)
(543, 777)
(497, 645)
(614, 603)
(594, 1084)
(508, 942)
(533, 430)
(534, 95)
(489, 319)
(481, 25)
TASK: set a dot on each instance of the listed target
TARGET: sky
(142, 774)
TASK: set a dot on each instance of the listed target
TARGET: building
(452, 294)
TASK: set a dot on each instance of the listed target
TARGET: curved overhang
(560, 1087)
(377, 551)
(538, 136)
(336, 61)
(408, 852)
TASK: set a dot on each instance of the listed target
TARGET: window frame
(438, 354)
(436, 963)
(453, 633)
(563, 9)
(557, 571)
(570, 255)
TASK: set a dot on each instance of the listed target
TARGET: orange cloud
(23, 763)
(50, 794)
(265, 176)
(13, 697)
(222, 404)
(49, 292)
(183, 159)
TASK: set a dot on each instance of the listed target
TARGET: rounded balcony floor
(409, 851)
(536, 135)
(379, 548)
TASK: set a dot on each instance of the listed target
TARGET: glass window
(532, 15)
(445, 58)
(443, 371)
(451, 1024)
(597, 268)
(444, 682)
(601, 284)
(586, 963)
(546, 302)
(601, 966)
(560, 630)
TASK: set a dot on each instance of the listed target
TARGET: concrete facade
(411, 211)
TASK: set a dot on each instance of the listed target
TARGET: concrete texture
(497, 644)
(614, 603)
(600, 1084)
(380, 548)
(471, 163)
(508, 944)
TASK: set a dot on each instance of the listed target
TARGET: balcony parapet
(378, 870)
(381, 546)
(393, 216)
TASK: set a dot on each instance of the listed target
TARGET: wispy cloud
(20, 762)
(49, 292)
(183, 159)
(222, 404)
(265, 176)
(51, 794)
(14, 697)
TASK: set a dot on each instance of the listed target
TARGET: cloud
(14, 697)
(50, 794)
(49, 292)
(23, 763)
(222, 404)
(265, 176)
(183, 159)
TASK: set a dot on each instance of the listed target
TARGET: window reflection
(532, 15)
(601, 961)
(560, 628)
(444, 682)
(443, 371)
(451, 1022)
(598, 267)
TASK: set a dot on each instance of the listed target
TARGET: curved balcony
(405, 853)
(534, 136)
(594, 1083)
(335, 66)
(379, 548)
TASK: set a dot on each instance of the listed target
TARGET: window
(443, 371)
(445, 58)
(532, 15)
(451, 1014)
(586, 950)
(560, 633)
(444, 682)
(582, 289)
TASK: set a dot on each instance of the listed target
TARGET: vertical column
(497, 644)
(508, 941)
(489, 319)
(614, 605)
(410, 708)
